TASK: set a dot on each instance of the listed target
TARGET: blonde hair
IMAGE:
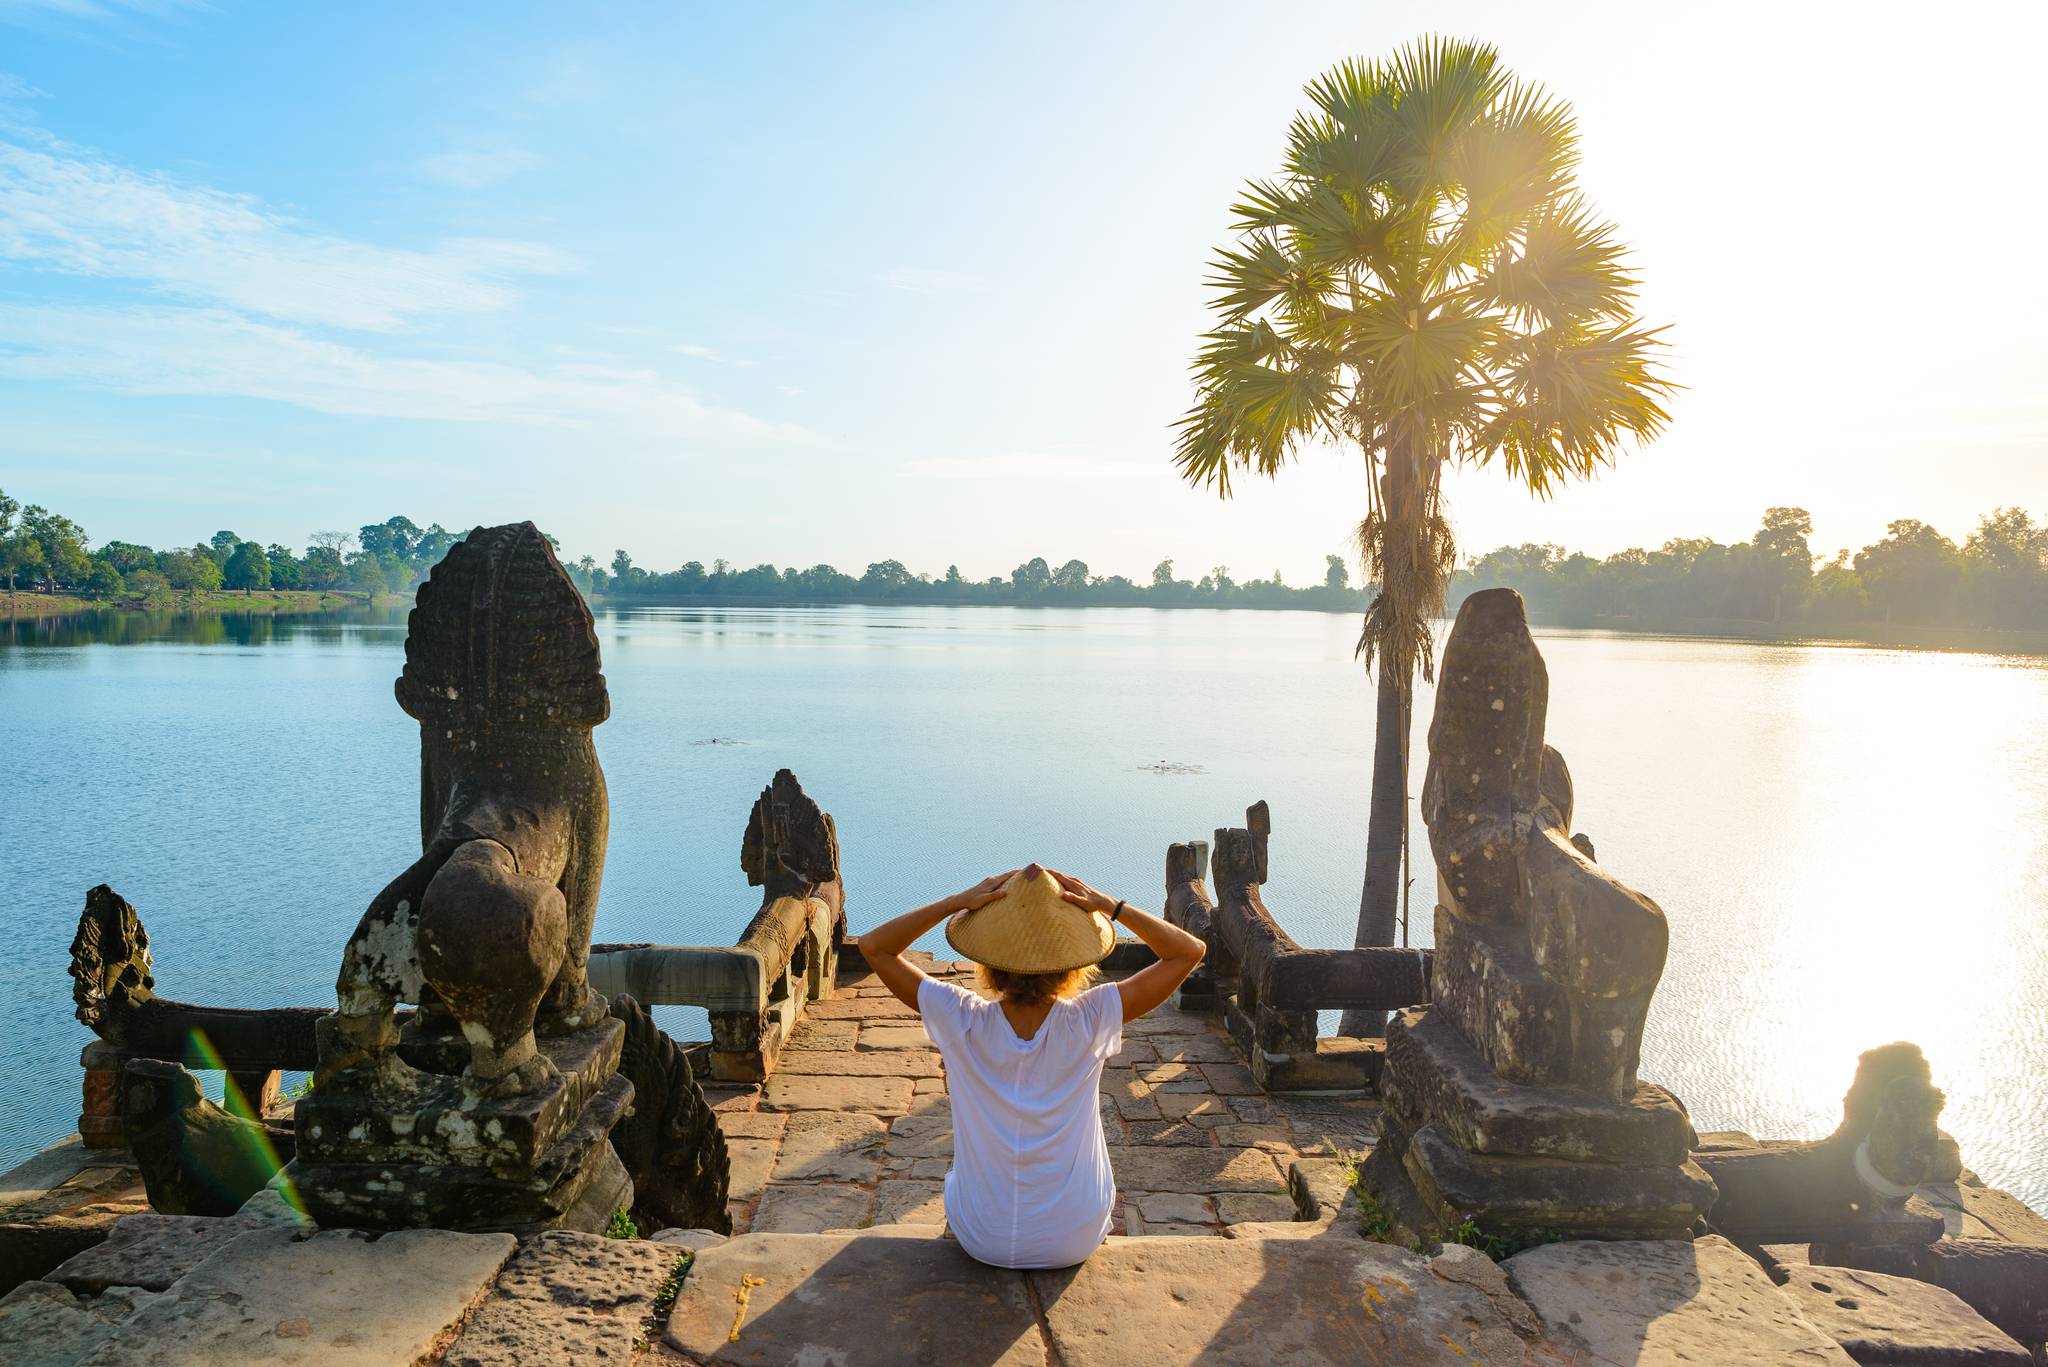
(1035, 989)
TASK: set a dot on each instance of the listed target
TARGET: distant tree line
(1997, 578)
(1036, 582)
(48, 550)
(1914, 575)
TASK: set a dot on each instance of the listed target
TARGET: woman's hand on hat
(1081, 895)
(982, 893)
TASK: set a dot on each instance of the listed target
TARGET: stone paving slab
(567, 1297)
(908, 1201)
(805, 1092)
(336, 1298)
(1896, 1320)
(823, 1034)
(811, 1208)
(60, 1202)
(67, 1166)
(149, 1251)
(1203, 1048)
(831, 1146)
(1167, 1133)
(1245, 1207)
(1659, 1303)
(1148, 1168)
(892, 1063)
(752, 1161)
(1174, 1206)
(753, 1125)
(895, 1037)
(1244, 1303)
(867, 1300)
(43, 1324)
(858, 1008)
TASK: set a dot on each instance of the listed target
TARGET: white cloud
(478, 167)
(696, 352)
(14, 88)
(932, 281)
(1027, 465)
(95, 11)
(65, 211)
(213, 352)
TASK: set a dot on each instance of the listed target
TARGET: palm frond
(1565, 266)
(1569, 398)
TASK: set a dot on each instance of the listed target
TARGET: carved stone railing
(1268, 988)
(115, 991)
(754, 992)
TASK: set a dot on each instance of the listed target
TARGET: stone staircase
(258, 1287)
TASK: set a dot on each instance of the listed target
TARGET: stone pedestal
(434, 1154)
(1527, 1162)
(99, 1115)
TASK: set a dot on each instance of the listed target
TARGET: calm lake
(1851, 843)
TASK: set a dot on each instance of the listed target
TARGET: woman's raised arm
(1179, 952)
(883, 946)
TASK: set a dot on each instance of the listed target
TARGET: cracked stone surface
(1662, 1303)
(567, 1297)
(44, 1323)
(335, 1298)
(1881, 1319)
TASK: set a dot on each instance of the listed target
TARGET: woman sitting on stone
(1030, 1184)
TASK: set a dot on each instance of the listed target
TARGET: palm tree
(1423, 282)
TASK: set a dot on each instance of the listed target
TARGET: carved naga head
(500, 639)
(110, 963)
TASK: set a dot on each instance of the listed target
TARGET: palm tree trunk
(1379, 902)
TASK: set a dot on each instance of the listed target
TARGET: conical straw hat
(1031, 929)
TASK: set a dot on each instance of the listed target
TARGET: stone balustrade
(1268, 988)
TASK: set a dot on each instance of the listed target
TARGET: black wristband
(1117, 911)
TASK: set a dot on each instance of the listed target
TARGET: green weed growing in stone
(1373, 1218)
(1472, 1236)
(664, 1299)
(665, 1296)
(621, 1225)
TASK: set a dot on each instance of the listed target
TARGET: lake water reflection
(1851, 843)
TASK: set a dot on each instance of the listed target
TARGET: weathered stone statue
(195, 1158)
(491, 1110)
(1853, 1189)
(489, 930)
(1512, 1100)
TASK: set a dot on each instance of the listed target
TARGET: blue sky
(837, 283)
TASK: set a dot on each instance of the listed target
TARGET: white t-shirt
(1030, 1184)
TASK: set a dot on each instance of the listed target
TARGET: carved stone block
(1431, 1069)
(347, 1120)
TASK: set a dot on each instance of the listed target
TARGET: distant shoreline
(1909, 636)
(25, 603)
(29, 605)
